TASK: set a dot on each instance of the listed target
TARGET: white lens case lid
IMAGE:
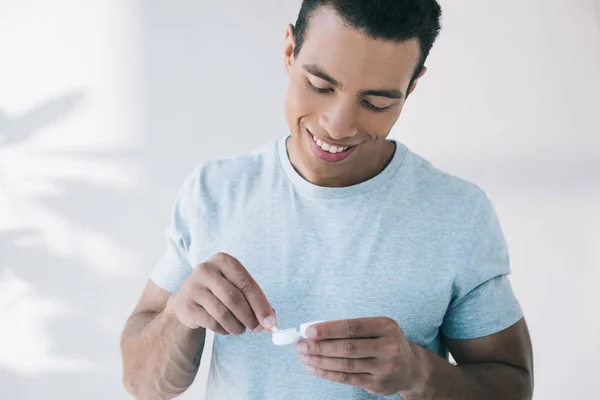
(284, 337)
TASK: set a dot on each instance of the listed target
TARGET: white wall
(105, 106)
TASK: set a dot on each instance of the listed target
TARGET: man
(404, 262)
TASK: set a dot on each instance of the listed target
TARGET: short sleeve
(483, 302)
(173, 267)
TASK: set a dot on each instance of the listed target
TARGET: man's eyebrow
(390, 93)
(317, 71)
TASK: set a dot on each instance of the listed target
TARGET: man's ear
(288, 49)
(414, 84)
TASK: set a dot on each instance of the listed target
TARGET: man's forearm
(160, 355)
(440, 380)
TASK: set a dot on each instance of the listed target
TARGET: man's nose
(340, 121)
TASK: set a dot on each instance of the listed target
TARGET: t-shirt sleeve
(173, 267)
(483, 302)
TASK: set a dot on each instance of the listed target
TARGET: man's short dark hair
(393, 20)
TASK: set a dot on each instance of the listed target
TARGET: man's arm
(373, 354)
(498, 366)
(163, 340)
(156, 349)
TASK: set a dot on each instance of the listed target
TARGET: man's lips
(332, 143)
(327, 155)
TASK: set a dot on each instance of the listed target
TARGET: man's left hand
(369, 353)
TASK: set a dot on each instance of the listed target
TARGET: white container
(284, 337)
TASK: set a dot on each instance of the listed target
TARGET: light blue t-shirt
(413, 243)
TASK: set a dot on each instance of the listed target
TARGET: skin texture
(346, 89)
(373, 354)
(344, 114)
(219, 295)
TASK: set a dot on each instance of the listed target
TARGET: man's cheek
(306, 104)
(304, 100)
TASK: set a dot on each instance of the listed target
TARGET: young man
(335, 223)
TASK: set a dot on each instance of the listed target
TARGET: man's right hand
(220, 295)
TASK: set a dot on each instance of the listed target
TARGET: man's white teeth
(327, 147)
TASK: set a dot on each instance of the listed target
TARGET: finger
(358, 380)
(231, 297)
(219, 312)
(350, 365)
(350, 328)
(196, 316)
(235, 272)
(342, 348)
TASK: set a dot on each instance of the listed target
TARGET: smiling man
(335, 222)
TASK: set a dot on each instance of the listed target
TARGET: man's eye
(317, 89)
(367, 104)
(375, 108)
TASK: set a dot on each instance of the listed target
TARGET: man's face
(345, 90)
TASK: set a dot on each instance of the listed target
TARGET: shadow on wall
(70, 253)
(14, 130)
(53, 340)
(80, 229)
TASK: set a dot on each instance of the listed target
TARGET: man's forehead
(333, 45)
(364, 70)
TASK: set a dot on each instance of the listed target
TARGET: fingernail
(311, 332)
(258, 329)
(302, 347)
(269, 322)
(312, 370)
(304, 358)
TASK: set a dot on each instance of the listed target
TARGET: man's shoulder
(248, 163)
(217, 176)
(431, 182)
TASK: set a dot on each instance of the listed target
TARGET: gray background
(106, 106)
